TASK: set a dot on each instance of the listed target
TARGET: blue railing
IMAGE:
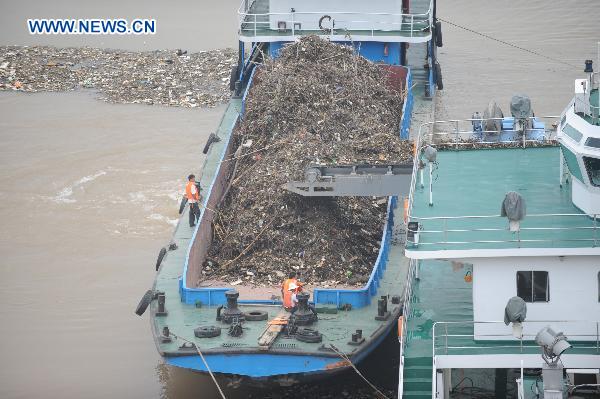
(407, 108)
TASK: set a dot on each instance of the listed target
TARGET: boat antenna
(508, 44)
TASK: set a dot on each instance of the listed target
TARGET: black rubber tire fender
(256, 315)
(438, 76)
(161, 255)
(207, 332)
(211, 139)
(233, 77)
(144, 302)
(182, 205)
(438, 34)
(308, 335)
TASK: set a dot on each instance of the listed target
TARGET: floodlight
(552, 343)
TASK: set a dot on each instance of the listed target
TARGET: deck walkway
(440, 294)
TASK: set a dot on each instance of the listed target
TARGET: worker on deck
(286, 293)
(193, 196)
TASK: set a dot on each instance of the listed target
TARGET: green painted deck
(337, 328)
(474, 183)
(441, 294)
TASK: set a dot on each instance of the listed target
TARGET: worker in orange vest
(193, 196)
(288, 294)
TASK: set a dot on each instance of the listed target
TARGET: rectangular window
(533, 286)
(592, 166)
(572, 133)
(593, 142)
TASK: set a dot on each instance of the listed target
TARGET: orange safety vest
(287, 294)
(188, 192)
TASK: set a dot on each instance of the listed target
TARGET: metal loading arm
(354, 180)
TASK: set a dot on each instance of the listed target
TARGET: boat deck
(466, 216)
(256, 24)
(336, 326)
(441, 309)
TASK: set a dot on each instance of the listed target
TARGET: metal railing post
(595, 231)
(412, 27)
(446, 332)
(597, 340)
(254, 25)
(445, 231)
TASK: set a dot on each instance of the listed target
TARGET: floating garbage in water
(157, 77)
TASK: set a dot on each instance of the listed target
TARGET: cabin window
(533, 286)
(592, 166)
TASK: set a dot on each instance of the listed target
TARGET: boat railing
(294, 23)
(495, 337)
(587, 108)
(460, 132)
(458, 338)
(584, 229)
(402, 321)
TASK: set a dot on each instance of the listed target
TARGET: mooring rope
(347, 359)
(507, 43)
(203, 361)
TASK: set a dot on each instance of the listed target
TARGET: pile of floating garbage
(317, 103)
(172, 78)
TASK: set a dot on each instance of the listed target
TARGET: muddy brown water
(89, 191)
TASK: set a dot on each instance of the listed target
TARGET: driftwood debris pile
(317, 102)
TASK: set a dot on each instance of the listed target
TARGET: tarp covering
(513, 206)
(515, 311)
(492, 111)
(520, 106)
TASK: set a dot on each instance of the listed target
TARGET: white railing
(460, 131)
(588, 341)
(589, 234)
(589, 110)
(461, 134)
(524, 345)
(338, 22)
(412, 269)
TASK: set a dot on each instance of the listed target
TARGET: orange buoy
(468, 277)
(405, 209)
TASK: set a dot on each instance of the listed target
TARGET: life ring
(256, 315)
(325, 17)
(207, 332)
(144, 302)
(161, 255)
